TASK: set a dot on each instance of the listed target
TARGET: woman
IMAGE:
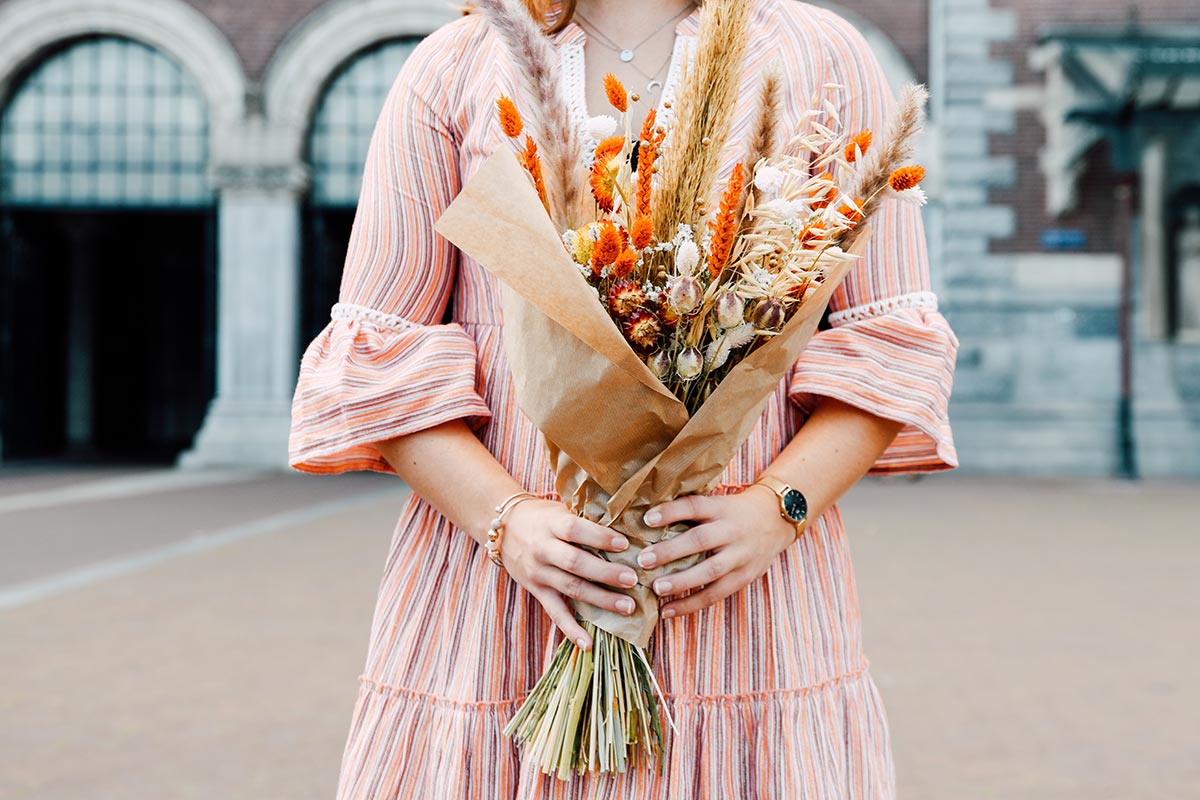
(759, 649)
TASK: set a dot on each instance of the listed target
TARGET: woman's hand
(744, 531)
(541, 550)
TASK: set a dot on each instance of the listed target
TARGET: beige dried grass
(546, 111)
(704, 109)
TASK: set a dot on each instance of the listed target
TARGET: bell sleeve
(887, 350)
(385, 365)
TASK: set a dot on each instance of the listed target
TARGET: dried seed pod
(689, 363)
(769, 314)
(685, 294)
(730, 310)
(659, 363)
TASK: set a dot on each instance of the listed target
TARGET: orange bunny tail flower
(643, 233)
(724, 225)
(648, 145)
(510, 118)
(860, 144)
(625, 263)
(607, 247)
(533, 164)
(852, 211)
(617, 95)
(907, 178)
(604, 171)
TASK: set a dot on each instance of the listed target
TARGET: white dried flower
(768, 179)
(718, 351)
(602, 126)
(915, 195)
(689, 363)
(730, 310)
(687, 256)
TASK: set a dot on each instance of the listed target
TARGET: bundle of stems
(589, 708)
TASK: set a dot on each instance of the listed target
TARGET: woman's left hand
(744, 531)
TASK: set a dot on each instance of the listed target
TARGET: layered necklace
(628, 54)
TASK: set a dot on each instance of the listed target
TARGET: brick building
(191, 168)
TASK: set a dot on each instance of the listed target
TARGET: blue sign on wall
(1064, 239)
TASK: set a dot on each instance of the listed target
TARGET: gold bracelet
(495, 534)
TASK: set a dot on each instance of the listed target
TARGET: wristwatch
(793, 506)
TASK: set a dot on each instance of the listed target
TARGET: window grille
(345, 119)
(105, 122)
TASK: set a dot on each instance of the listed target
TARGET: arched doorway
(107, 270)
(338, 139)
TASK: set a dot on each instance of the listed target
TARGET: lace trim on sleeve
(887, 304)
(357, 312)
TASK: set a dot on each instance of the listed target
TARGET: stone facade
(1038, 376)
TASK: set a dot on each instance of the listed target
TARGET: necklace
(627, 54)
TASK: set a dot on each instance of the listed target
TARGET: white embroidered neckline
(571, 60)
(879, 307)
(357, 312)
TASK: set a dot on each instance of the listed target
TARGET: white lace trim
(879, 307)
(571, 60)
(357, 312)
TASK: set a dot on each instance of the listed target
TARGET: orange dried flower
(907, 178)
(822, 195)
(812, 233)
(723, 226)
(510, 118)
(852, 212)
(617, 95)
(643, 233)
(533, 164)
(625, 297)
(649, 143)
(860, 143)
(625, 263)
(607, 247)
(604, 174)
(642, 328)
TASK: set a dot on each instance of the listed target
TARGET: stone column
(257, 314)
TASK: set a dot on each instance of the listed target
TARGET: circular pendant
(627, 56)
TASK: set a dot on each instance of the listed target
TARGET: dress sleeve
(887, 351)
(384, 366)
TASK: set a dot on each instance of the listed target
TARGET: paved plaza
(197, 635)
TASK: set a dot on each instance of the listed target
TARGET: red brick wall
(1097, 211)
(256, 27)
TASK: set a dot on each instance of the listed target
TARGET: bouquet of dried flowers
(711, 306)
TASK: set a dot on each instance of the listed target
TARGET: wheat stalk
(548, 111)
(704, 110)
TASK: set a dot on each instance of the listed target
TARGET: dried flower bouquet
(646, 330)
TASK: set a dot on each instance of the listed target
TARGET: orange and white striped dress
(770, 688)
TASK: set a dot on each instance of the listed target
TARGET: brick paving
(1032, 639)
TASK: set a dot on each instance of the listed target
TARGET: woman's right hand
(541, 550)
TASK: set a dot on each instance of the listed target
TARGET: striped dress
(769, 689)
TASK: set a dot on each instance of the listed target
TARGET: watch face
(795, 506)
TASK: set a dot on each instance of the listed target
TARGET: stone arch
(32, 27)
(328, 38)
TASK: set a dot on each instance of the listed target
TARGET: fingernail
(620, 543)
(662, 587)
(668, 613)
(583, 643)
(625, 606)
(647, 558)
(628, 578)
(652, 517)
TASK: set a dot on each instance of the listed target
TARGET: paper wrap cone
(619, 440)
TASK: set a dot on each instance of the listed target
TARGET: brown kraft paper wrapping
(619, 440)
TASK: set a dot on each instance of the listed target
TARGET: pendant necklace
(627, 54)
